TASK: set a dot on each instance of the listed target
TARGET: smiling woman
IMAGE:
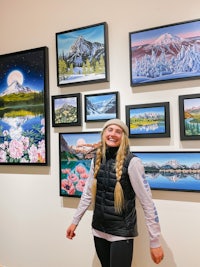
(15, 76)
(114, 180)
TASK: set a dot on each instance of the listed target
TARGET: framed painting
(179, 171)
(189, 110)
(148, 120)
(165, 54)
(82, 55)
(101, 107)
(24, 109)
(66, 110)
(76, 150)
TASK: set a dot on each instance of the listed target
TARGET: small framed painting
(66, 110)
(101, 107)
(148, 120)
(189, 110)
(82, 55)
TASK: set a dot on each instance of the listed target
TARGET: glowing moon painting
(24, 106)
(15, 75)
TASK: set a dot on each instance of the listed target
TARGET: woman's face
(113, 135)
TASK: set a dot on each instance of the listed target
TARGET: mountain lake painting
(148, 120)
(189, 106)
(165, 53)
(101, 107)
(23, 103)
(172, 170)
(82, 55)
(76, 150)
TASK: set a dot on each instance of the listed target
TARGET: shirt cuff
(155, 243)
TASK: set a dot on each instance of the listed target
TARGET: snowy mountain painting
(81, 55)
(165, 53)
(172, 170)
(23, 104)
(101, 107)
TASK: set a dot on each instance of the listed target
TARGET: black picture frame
(148, 120)
(82, 55)
(165, 54)
(189, 117)
(76, 151)
(24, 109)
(66, 110)
(101, 107)
(172, 170)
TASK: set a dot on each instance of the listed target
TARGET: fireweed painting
(22, 107)
(76, 151)
(66, 110)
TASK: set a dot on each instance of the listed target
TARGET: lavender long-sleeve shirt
(143, 193)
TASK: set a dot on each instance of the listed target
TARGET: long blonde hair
(121, 155)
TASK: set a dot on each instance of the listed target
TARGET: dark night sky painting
(29, 66)
(23, 107)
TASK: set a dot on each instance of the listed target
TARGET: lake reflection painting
(23, 104)
(148, 120)
(172, 170)
(76, 150)
(189, 108)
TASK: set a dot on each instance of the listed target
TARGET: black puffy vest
(105, 218)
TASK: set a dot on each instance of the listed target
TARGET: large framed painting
(189, 111)
(148, 120)
(101, 107)
(24, 108)
(76, 150)
(165, 54)
(82, 55)
(66, 110)
(178, 171)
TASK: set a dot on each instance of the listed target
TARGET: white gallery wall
(33, 217)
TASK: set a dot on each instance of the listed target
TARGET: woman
(116, 178)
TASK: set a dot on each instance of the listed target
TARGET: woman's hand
(157, 254)
(70, 233)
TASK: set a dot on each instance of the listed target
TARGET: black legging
(114, 254)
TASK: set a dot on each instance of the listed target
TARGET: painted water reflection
(152, 128)
(172, 170)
